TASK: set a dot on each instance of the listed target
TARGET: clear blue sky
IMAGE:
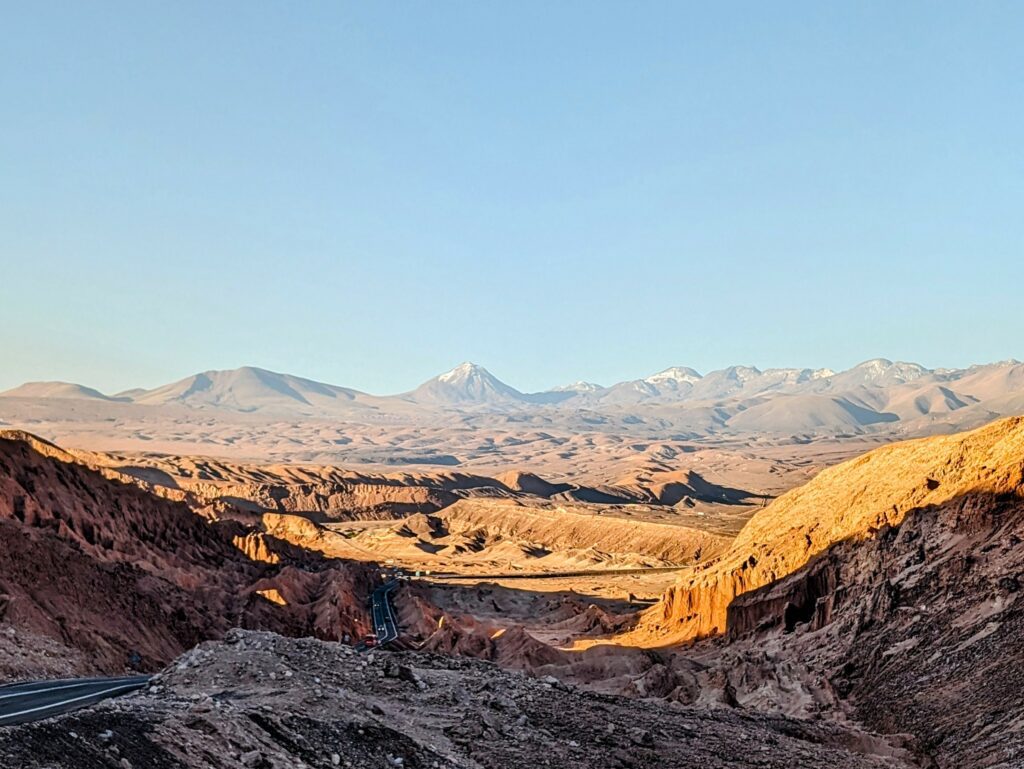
(369, 193)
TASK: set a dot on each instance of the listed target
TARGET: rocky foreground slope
(260, 700)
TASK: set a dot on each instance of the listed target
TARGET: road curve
(385, 623)
(36, 700)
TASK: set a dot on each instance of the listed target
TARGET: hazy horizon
(117, 389)
(368, 197)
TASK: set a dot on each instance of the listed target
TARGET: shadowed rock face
(113, 572)
(852, 501)
(919, 627)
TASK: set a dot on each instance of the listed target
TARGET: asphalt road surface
(36, 700)
(385, 624)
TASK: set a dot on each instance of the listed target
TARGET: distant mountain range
(743, 399)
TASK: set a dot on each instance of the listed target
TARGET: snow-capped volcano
(466, 384)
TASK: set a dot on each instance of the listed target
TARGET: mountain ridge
(874, 370)
(877, 394)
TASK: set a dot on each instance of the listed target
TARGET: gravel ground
(263, 701)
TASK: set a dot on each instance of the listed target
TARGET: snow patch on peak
(741, 373)
(875, 365)
(675, 374)
(882, 372)
(578, 387)
(463, 372)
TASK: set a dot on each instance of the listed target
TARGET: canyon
(866, 616)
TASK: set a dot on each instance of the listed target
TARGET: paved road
(385, 624)
(36, 700)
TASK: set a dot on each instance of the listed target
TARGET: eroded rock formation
(121, 576)
(852, 501)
